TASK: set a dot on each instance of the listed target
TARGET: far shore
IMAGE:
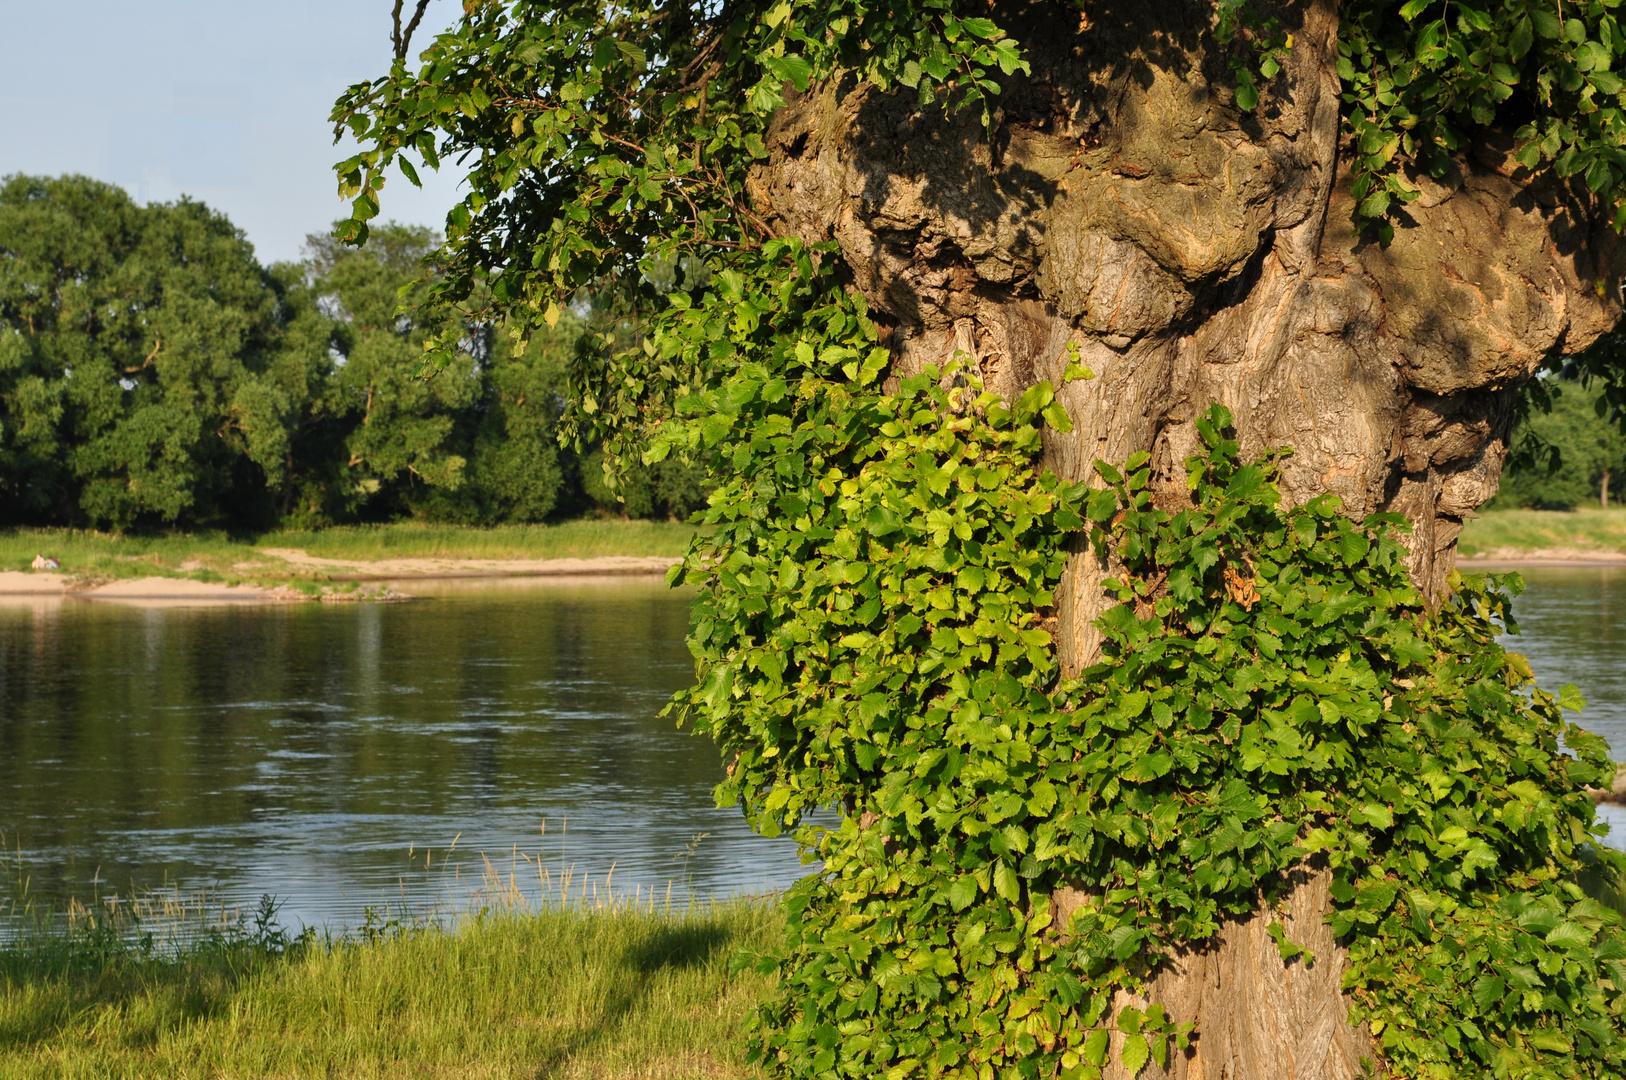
(389, 579)
(1516, 557)
(1587, 536)
(383, 562)
(376, 562)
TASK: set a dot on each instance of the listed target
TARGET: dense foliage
(870, 632)
(151, 373)
(1273, 691)
(1420, 76)
(1574, 421)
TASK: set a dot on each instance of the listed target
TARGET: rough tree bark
(1196, 254)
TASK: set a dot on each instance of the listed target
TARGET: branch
(397, 38)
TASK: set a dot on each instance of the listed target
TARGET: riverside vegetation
(221, 557)
(153, 375)
(567, 991)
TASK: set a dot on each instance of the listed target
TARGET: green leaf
(1247, 94)
(1148, 767)
(1551, 1041)
(1006, 882)
(1375, 814)
(1519, 41)
(792, 69)
(1489, 992)
(1129, 1020)
(633, 53)
(1285, 947)
(1136, 1054)
(1545, 21)
(1056, 417)
(1570, 935)
(1095, 1047)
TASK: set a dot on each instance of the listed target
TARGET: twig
(397, 38)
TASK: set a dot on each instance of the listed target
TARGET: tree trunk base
(1257, 1016)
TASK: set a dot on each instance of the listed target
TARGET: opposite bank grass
(623, 992)
(1507, 532)
(218, 556)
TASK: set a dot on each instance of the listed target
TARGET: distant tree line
(1574, 453)
(153, 374)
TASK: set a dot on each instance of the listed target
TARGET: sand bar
(147, 591)
(1560, 556)
(157, 591)
(404, 569)
(184, 591)
(23, 583)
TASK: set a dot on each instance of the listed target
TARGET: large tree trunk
(1197, 254)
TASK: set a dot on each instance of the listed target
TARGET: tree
(476, 444)
(130, 360)
(959, 254)
(1591, 453)
(152, 374)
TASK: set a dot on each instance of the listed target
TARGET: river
(331, 754)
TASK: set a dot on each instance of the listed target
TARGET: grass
(1588, 529)
(570, 993)
(219, 557)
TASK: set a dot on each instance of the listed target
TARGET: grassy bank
(218, 557)
(568, 994)
(1586, 530)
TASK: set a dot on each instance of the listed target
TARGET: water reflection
(301, 750)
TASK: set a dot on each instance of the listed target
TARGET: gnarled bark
(1194, 253)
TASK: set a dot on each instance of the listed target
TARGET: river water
(1572, 626)
(331, 754)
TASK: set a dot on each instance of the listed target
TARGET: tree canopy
(152, 373)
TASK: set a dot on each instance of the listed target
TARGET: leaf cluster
(599, 138)
(1419, 77)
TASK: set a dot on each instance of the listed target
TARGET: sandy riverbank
(406, 569)
(43, 585)
(318, 575)
(1556, 556)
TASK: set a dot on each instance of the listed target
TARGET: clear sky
(223, 100)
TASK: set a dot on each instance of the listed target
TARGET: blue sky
(225, 101)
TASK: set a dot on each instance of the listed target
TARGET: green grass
(557, 993)
(571, 539)
(1591, 529)
(218, 557)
